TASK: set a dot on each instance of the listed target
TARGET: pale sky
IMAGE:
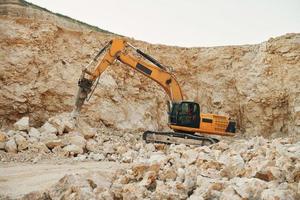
(189, 23)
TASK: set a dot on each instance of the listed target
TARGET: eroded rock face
(255, 84)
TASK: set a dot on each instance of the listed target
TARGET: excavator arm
(117, 50)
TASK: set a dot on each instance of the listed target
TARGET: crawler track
(178, 138)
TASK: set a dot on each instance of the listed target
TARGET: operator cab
(185, 114)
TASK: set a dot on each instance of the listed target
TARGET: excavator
(189, 125)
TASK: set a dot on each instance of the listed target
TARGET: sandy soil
(18, 179)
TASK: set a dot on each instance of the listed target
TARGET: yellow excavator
(185, 118)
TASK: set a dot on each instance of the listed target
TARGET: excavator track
(178, 138)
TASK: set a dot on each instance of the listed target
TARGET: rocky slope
(41, 60)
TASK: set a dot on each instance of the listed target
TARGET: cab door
(185, 114)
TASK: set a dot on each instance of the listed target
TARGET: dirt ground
(18, 179)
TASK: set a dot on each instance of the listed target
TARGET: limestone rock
(47, 137)
(234, 165)
(76, 139)
(38, 147)
(248, 188)
(229, 194)
(11, 146)
(3, 139)
(21, 142)
(129, 156)
(80, 187)
(54, 143)
(267, 174)
(34, 133)
(88, 133)
(92, 145)
(276, 193)
(48, 128)
(22, 124)
(73, 149)
(190, 156)
(86, 130)
(63, 123)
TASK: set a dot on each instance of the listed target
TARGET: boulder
(38, 147)
(234, 165)
(48, 128)
(34, 133)
(229, 194)
(248, 188)
(190, 156)
(190, 178)
(76, 139)
(92, 145)
(87, 131)
(11, 146)
(64, 123)
(73, 149)
(49, 139)
(269, 174)
(58, 150)
(51, 143)
(72, 187)
(21, 142)
(22, 124)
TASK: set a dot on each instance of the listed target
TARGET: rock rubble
(254, 168)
